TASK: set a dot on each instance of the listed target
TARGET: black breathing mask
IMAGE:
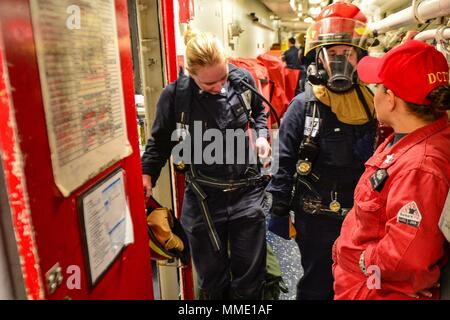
(333, 71)
(342, 74)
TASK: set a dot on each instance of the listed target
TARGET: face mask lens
(340, 71)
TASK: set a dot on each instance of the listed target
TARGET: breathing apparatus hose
(272, 109)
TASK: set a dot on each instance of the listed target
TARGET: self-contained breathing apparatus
(339, 24)
(304, 192)
(304, 176)
(183, 99)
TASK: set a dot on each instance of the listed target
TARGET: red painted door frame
(55, 234)
(16, 189)
(168, 24)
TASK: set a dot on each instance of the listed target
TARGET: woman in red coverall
(392, 244)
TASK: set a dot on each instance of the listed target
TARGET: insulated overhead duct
(420, 12)
(371, 7)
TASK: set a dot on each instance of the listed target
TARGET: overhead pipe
(378, 3)
(376, 9)
(387, 5)
(441, 34)
(372, 7)
(391, 5)
(421, 11)
(431, 34)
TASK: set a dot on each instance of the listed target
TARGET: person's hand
(426, 293)
(264, 151)
(147, 182)
(280, 222)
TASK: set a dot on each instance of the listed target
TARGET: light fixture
(308, 20)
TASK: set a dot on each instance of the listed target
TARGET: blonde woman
(222, 208)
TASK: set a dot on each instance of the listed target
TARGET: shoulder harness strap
(183, 99)
(309, 147)
(361, 98)
(240, 83)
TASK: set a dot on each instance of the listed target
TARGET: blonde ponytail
(202, 49)
(189, 34)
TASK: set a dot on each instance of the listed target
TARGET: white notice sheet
(107, 224)
(78, 55)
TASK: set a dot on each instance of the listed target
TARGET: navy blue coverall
(291, 57)
(237, 271)
(343, 151)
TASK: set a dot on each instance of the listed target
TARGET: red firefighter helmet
(339, 23)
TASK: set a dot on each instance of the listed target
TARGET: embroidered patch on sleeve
(444, 222)
(409, 214)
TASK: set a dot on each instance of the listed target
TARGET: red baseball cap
(412, 70)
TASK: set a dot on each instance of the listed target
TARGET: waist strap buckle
(313, 206)
(231, 188)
